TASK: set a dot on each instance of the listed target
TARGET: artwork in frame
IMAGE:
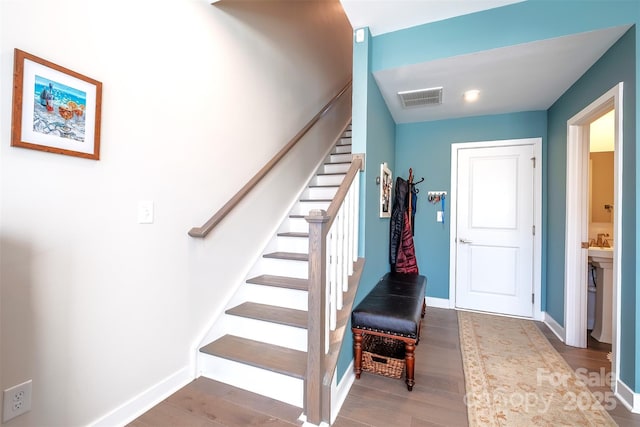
(54, 109)
(385, 191)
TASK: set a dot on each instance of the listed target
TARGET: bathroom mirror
(601, 169)
(601, 186)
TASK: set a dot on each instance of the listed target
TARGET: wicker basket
(382, 355)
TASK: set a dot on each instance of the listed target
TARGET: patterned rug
(514, 377)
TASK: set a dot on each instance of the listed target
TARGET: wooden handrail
(233, 202)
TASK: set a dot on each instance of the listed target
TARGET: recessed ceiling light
(471, 95)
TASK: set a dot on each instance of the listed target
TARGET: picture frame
(386, 184)
(54, 109)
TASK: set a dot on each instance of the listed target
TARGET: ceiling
(525, 77)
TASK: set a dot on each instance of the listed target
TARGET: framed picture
(385, 191)
(54, 109)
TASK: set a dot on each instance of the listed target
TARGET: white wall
(96, 308)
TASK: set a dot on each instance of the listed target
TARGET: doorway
(495, 244)
(577, 222)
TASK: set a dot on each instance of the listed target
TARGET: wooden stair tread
(293, 234)
(261, 355)
(294, 256)
(330, 173)
(280, 282)
(270, 313)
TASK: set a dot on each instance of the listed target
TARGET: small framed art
(385, 191)
(54, 109)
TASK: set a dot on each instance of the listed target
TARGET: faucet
(601, 243)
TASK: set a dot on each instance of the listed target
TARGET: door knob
(464, 241)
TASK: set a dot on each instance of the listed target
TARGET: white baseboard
(629, 398)
(437, 302)
(340, 392)
(303, 418)
(554, 326)
(146, 400)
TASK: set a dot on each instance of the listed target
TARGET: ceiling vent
(420, 97)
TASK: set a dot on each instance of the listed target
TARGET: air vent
(420, 97)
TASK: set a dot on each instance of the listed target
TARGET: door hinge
(534, 162)
(533, 298)
(533, 229)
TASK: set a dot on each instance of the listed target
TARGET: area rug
(514, 377)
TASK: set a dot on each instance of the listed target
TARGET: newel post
(316, 331)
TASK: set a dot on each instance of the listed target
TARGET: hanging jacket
(397, 219)
(406, 258)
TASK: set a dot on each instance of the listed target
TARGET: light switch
(145, 212)
(440, 216)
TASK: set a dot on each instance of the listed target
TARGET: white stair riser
(335, 179)
(307, 206)
(337, 158)
(270, 295)
(336, 168)
(299, 225)
(346, 148)
(293, 244)
(267, 383)
(271, 333)
(284, 267)
(319, 193)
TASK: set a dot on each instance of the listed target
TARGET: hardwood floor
(594, 360)
(437, 398)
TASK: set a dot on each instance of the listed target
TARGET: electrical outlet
(16, 401)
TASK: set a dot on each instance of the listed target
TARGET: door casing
(577, 223)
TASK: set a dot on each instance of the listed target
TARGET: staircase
(260, 342)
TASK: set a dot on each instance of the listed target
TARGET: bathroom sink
(597, 251)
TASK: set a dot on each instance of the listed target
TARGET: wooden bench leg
(410, 362)
(357, 353)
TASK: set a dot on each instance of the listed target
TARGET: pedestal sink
(602, 259)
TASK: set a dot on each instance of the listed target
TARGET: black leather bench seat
(394, 306)
(393, 309)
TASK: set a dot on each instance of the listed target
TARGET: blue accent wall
(373, 134)
(426, 148)
(617, 65)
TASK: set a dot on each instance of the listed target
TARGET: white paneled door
(495, 229)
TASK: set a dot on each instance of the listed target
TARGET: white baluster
(331, 278)
(356, 217)
(350, 205)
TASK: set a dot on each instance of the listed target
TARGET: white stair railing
(333, 250)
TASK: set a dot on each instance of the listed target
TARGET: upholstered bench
(393, 309)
